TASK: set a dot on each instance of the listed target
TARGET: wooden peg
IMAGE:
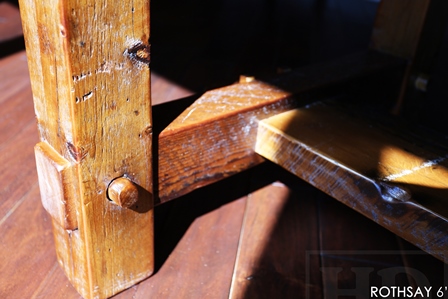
(123, 192)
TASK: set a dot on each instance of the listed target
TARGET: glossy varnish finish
(89, 69)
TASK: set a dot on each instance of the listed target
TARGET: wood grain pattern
(272, 252)
(397, 183)
(57, 184)
(28, 259)
(202, 263)
(189, 159)
(17, 126)
(27, 253)
(347, 247)
(398, 26)
(89, 67)
(35, 246)
(16, 114)
(214, 137)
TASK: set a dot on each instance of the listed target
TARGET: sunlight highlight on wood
(377, 172)
(214, 137)
(89, 67)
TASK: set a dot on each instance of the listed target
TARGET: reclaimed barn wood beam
(215, 136)
(382, 171)
(89, 67)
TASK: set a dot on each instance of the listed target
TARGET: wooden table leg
(89, 66)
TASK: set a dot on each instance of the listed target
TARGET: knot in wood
(123, 192)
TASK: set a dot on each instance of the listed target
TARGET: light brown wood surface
(89, 68)
(57, 184)
(398, 27)
(215, 136)
(123, 192)
(270, 240)
(383, 174)
(202, 228)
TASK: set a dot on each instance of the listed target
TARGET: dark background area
(205, 44)
(202, 44)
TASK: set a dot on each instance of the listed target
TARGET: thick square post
(89, 66)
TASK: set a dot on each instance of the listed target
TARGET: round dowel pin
(123, 192)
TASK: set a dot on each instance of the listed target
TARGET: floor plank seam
(319, 248)
(43, 284)
(237, 257)
(18, 203)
